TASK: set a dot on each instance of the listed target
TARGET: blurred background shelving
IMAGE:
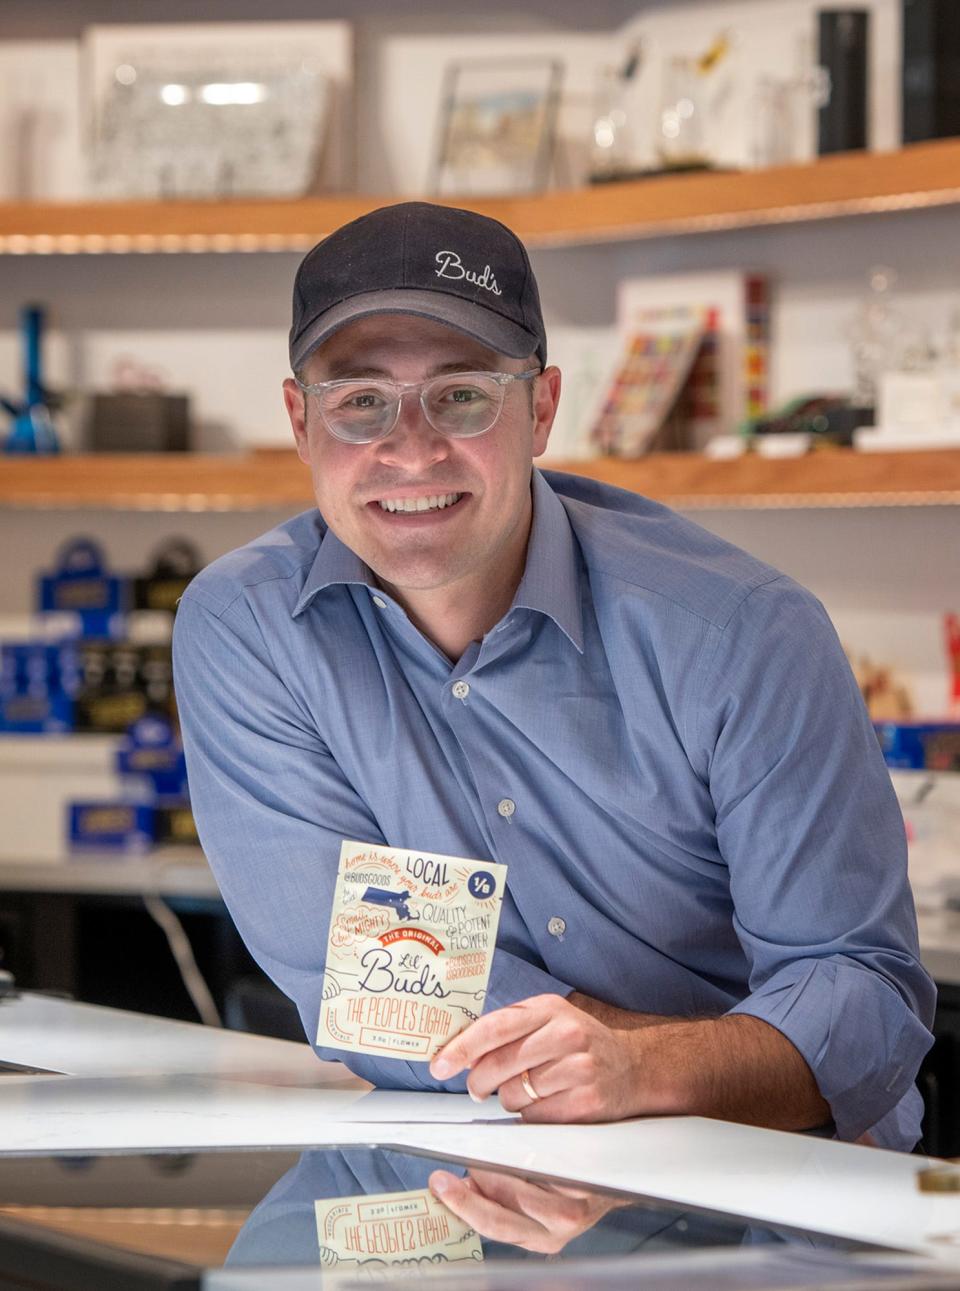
(920, 176)
(198, 292)
(193, 482)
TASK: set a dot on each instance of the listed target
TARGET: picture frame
(218, 110)
(497, 127)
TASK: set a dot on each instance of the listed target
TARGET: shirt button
(556, 926)
(460, 690)
(506, 807)
(379, 602)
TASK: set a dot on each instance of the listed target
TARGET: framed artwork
(497, 127)
(216, 110)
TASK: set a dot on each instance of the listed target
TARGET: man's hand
(536, 1217)
(580, 1069)
(588, 1061)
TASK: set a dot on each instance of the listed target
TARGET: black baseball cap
(439, 262)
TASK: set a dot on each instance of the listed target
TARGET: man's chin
(402, 579)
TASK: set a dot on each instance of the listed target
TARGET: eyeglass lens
(454, 405)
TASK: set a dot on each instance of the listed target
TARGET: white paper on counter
(412, 1107)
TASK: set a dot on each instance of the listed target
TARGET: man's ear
(295, 402)
(546, 396)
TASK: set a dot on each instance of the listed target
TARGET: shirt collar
(333, 563)
(550, 583)
(551, 577)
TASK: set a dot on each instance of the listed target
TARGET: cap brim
(483, 325)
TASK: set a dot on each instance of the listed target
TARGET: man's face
(481, 537)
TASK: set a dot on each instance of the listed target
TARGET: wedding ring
(528, 1088)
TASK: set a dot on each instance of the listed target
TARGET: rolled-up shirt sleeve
(809, 826)
(272, 807)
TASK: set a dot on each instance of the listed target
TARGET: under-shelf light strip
(622, 230)
(150, 243)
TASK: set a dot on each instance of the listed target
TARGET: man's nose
(413, 443)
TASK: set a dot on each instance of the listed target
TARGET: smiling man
(439, 504)
(707, 907)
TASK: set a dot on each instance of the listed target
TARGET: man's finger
(553, 1210)
(569, 1107)
(484, 1214)
(546, 1081)
(495, 1069)
(490, 1032)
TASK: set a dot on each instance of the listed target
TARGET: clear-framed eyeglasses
(460, 404)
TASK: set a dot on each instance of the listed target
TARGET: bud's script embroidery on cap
(451, 266)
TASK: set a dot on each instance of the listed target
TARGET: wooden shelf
(826, 478)
(277, 479)
(918, 176)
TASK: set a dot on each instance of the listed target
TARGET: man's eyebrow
(345, 370)
(464, 365)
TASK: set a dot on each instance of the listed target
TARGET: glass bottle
(611, 136)
(680, 142)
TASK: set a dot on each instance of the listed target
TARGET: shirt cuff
(857, 1035)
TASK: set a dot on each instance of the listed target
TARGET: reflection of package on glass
(391, 1231)
(200, 111)
(409, 950)
(728, 380)
(648, 381)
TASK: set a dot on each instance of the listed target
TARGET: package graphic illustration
(409, 949)
(400, 1231)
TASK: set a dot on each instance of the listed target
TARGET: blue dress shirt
(661, 739)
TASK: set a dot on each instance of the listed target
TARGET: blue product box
(81, 584)
(173, 823)
(157, 811)
(152, 751)
(920, 746)
(111, 827)
(37, 680)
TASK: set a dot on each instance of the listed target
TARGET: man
(707, 907)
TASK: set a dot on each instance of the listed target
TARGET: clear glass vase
(680, 135)
(612, 135)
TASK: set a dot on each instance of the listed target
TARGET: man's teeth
(433, 503)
